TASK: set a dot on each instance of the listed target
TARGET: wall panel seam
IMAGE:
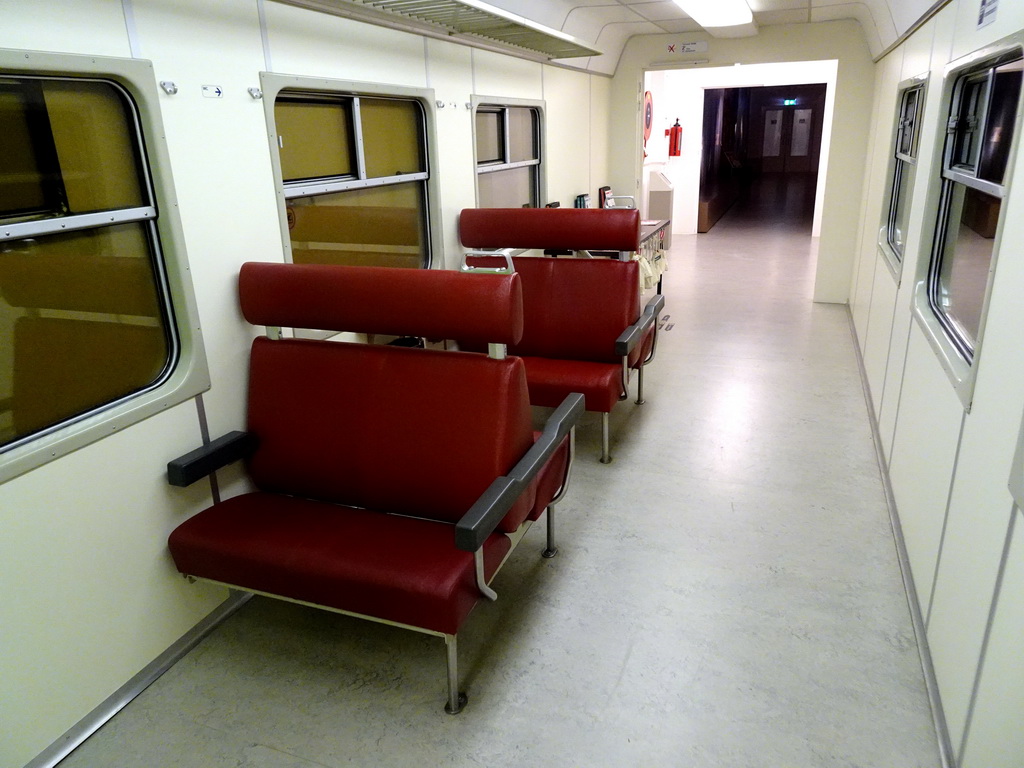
(993, 606)
(924, 653)
(945, 518)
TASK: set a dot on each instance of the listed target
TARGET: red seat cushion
(551, 380)
(390, 567)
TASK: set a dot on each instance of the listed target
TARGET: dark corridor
(760, 141)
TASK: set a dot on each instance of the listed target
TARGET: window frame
(902, 171)
(187, 373)
(946, 341)
(273, 85)
(501, 105)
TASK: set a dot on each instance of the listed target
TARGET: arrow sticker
(213, 91)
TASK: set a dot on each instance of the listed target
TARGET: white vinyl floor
(727, 594)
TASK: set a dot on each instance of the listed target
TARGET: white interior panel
(876, 38)
(860, 295)
(91, 595)
(95, 27)
(876, 349)
(917, 51)
(924, 451)
(318, 44)
(977, 517)
(450, 75)
(600, 106)
(969, 38)
(221, 139)
(996, 739)
(497, 75)
(567, 96)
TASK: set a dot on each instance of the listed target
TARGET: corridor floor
(727, 594)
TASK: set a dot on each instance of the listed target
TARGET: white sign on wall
(987, 12)
(701, 46)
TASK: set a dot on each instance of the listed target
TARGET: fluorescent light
(717, 13)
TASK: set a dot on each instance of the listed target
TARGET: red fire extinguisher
(675, 139)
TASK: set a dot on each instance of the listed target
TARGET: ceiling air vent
(464, 21)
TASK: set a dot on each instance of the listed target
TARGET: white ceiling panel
(679, 26)
(860, 12)
(905, 13)
(779, 5)
(590, 26)
(794, 16)
(658, 11)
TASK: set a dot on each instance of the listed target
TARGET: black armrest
(630, 337)
(485, 514)
(185, 470)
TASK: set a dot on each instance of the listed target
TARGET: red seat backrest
(438, 304)
(413, 431)
(574, 309)
(573, 229)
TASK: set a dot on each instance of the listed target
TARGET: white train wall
(949, 464)
(91, 596)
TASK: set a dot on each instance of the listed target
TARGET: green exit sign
(789, 103)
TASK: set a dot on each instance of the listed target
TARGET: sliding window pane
(392, 137)
(902, 184)
(86, 322)
(95, 136)
(522, 134)
(970, 116)
(908, 122)
(30, 184)
(1002, 113)
(967, 256)
(314, 138)
(512, 188)
(380, 226)
(489, 142)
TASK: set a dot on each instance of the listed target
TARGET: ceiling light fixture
(717, 13)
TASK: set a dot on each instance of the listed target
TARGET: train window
(355, 177)
(981, 128)
(903, 161)
(304, 128)
(508, 155)
(96, 315)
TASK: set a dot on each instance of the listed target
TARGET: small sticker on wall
(987, 12)
(701, 46)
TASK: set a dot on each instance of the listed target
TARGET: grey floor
(727, 594)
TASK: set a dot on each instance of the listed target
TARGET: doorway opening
(745, 90)
(761, 147)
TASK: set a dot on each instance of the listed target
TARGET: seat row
(392, 483)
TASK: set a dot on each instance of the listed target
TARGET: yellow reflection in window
(95, 142)
(392, 137)
(81, 325)
(380, 226)
(314, 138)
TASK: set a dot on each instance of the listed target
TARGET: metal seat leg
(456, 700)
(640, 385)
(606, 456)
(552, 548)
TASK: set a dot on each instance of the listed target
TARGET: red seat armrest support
(483, 517)
(630, 337)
